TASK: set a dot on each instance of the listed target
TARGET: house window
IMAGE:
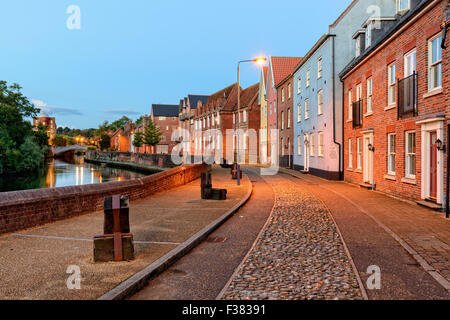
(282, 120)
(403, 5)
(369, 95)
(359, 153)
(435, 63)
(234, 118)
(299, 85)
(306, 109)
(299, 145)
(391, 84)
(319, 68)
(282, 147)
(350, 154)
(308, 79)
(289, 90)
(320, 143)
(282, 95)
(358, 47)
(270, 108)
(350, 106)
(312, 145)
(410, 63)
(369, 35)
(275, 107)
(162, 118)
(244, 115)
(410, 157)
(320, 102)
(391, 154)
(289, 118)
(299, 112)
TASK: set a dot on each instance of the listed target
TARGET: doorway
(368, 159)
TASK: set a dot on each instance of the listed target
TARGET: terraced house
(318, 105)
(188, 105)
(286, 131)
(396, 98)
(262, 101)
(165, 116)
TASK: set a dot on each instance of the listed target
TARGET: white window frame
(282, 146)
(308, 78)
(289, 118)
(320, 102)
(437, 65)
(244, 113)
(392, 83)
(319, 68)
(369, 35)
(369, 105)
(402, 10)
(282, 120)
(391, 154)
(299, 145)
(359, 150)
(408, 155)
(358, 47)
(312, 145)
(289, 90)
(350, 153)
(299, 85)
(350, 104)
(306, 109)
(299, 112)
(406, 71)
(282, 94)
(320, 144)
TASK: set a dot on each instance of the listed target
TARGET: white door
(306, 153)
(368, 159)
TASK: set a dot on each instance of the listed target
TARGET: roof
(397, 25)
(343, 14)
(248, 95)
(165, 110)
(265, 70)
(312, 50)
(43, 115)
(282, 67)
(194, 99)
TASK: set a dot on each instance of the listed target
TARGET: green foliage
(138, 140)
(41, 136)
(62, 140)
(20, 148)
(152, 134)
(139, 121)
(105, 141)
(87, 133)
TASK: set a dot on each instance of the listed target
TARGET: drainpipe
(341, 175)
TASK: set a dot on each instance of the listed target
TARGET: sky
(125, 55)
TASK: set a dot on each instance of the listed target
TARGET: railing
(407, 96)
(357, 113)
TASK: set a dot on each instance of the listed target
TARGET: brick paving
(299, 254)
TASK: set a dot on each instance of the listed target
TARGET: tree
(152, 134)
(138, 141)
(41, 136)
(60, 141)
(105, 141)
(139, 121)
(119, 124)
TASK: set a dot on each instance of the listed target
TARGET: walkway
(34, 261)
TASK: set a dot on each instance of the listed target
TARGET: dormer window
(358, 48)
(369, 34)
(403, 6)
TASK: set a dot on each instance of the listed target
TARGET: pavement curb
(140, 279)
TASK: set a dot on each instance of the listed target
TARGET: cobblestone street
(299, 254)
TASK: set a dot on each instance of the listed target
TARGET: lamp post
(259, 61)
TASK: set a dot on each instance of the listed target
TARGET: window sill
(349, 120)
(358, 170)
(350, 169)
(390, 177)
(412, 181)
(389, 107)
(433, 92)
(368, 114)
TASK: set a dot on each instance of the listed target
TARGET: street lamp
(260, 61)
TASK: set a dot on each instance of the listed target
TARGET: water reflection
(59, 173)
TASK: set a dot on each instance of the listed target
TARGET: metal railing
(357, 110)
(407, 96)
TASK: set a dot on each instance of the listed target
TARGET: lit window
(435, 63)
(391, 83)
(308, 79)
(391, 154)
(306, 109)
(410, 156)
(350, 153)
(319, 68)
(320, 143)
(162, 118)
(282, 95)
(350, 106)
(369, 95)
(245, 115)
(359, 153)
(320, 102)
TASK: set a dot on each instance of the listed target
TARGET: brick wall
(25, 209)
(287, 134)
(384, 120)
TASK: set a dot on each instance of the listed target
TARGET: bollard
(206, 185)
(234, 172)
(116, 244)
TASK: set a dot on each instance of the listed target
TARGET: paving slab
(34, 261)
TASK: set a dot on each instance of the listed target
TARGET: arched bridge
(75, 148)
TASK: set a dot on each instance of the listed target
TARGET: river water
(58, 173)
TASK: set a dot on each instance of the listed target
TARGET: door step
(366, 186)
(304, 171)
(430, 205)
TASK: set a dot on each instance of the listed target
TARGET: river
(58, 173)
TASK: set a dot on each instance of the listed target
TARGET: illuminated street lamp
(260, 61)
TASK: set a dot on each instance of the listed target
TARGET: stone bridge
(61, 150)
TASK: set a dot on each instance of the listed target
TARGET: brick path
(299, 254)
(370, 222)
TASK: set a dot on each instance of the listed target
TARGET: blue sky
(130, 54)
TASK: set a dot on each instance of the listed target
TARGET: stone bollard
(206, 185)
(234, 172)
(116, 244)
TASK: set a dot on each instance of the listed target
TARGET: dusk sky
(130, 54)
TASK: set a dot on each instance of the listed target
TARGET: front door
(368, 159)
(306, 149)
(433, 166)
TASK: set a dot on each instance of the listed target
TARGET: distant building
(49, 122)
(122, 139)
(165, 116)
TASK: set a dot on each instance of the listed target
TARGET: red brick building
(165, 116)
(49, 122)
(121, 140)
(396, 107)
(285, 124)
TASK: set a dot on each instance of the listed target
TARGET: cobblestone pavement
(299, 255)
